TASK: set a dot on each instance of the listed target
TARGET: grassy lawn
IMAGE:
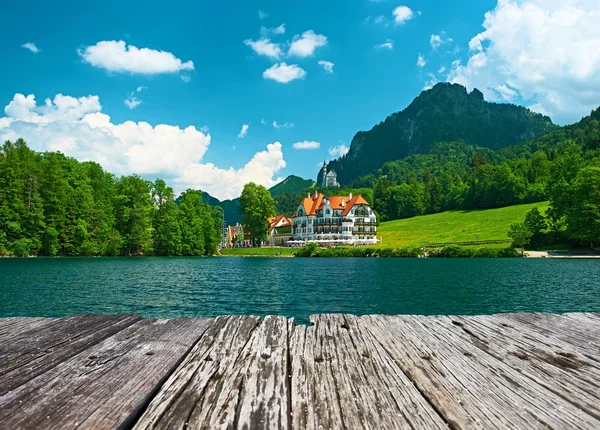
(259, 251)
(454, 226)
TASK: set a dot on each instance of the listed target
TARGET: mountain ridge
(445, 113)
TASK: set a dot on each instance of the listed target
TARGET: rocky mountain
(445, 113)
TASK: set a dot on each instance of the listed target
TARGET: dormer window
(327, 211)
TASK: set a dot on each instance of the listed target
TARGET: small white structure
(329, 178)
(337, 220)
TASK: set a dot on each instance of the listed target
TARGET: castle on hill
(329, 178)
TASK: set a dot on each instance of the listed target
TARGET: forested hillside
(286, 195)
(54, 205)
(445, 113)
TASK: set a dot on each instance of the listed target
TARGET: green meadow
(454, 226)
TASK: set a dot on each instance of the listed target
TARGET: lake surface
(294, 287)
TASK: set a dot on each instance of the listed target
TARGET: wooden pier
(522, 371)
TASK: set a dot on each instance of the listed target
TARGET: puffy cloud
(437, 40)
(264, 47)
(402, 14)
(31, 46)
(305, 45)
(327, 66)
(338, 151)
(264, 31)
(421, 62)
(244, 131)
(116, 56)
(307, 144)
(262, 15)
(545, 53)
(281, 72)
(285, 125)
(78, 128)
(387, 45)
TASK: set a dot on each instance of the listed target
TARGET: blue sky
(205, 65)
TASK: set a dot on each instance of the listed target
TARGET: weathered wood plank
(107, 385)
(15, 326)
(201, 392)
(583, 335)
(32, 352)
(469, 387)
(351, 382)
(556, 366)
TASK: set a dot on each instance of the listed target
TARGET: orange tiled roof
(312, 204)
(273, 221)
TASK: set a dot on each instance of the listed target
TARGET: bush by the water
(312, 250)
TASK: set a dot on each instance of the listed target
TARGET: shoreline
(559, 254)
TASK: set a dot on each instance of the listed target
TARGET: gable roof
(312, 204)
(279, 221)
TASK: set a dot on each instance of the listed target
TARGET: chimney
(350, 196)
(316, 194)
(343, 203)
(308, 197)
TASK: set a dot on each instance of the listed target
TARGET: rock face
(445, 113)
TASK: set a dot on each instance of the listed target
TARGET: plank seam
(449, 423)
(133, 418)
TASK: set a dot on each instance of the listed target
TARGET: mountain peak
(445, 113)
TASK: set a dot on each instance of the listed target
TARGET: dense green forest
(562, 166)
(444, 113)
(51, 204)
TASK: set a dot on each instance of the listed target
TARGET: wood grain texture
(203, 391)
(107, 385)
(468, 386)
(507, 371)
(553, 364)
(15, 326)
(30, 353)
(343, 378)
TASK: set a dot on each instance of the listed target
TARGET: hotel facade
(335, 220)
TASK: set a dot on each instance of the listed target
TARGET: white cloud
(264, 31)
(338, 151)
(435, 40)
(284, 125)
(132, 102)
(264, 47)
(307, 144)
(262, 15)
(402, 14)
(244, 131)
(430, 82)
(284, 73)
(31, 46)
(186, 78)
(327, 66)
(421, 62)
(387, 45)
(305, 45)
(547, 53)
(442, 69)
(78, 128)
(116, 56)
(263, 122)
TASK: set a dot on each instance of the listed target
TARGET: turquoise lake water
(294, 287)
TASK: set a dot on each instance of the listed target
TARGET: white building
(329, 178)
(335, 220)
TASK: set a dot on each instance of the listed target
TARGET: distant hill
(231, 208)
(445, 113)
(291, 184)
